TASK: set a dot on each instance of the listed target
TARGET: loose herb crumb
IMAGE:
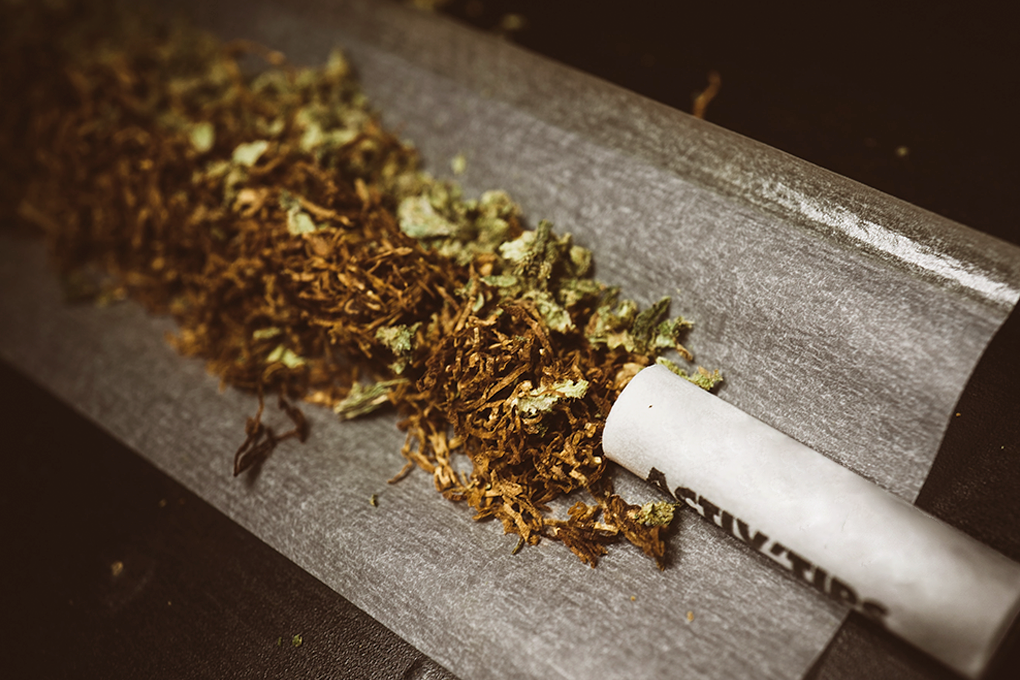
(458, 164)
(363, 399)
(304, 253)
(659, 513)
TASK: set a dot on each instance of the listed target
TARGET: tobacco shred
(303, 253)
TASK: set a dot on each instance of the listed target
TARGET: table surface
(115, 570)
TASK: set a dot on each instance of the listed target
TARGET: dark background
(843, 85)
(915, 99)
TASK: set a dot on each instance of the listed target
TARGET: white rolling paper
(932, 585)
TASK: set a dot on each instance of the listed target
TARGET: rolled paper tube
(934, 586)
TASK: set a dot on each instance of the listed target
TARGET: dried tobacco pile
(303, 253)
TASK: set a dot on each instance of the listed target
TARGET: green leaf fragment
(673, 366)
(537, 253)
(317, 135)
(213, 170)
(479, 302)
(495, 210)
(555, 316)
(236, 176)
(581, 259)
(706, 380)
(647, 322)
(656, 514)
(501, 280)
(289, 201)
(285, 356)
(363, 399)
(248, 154)
(312, 137)
(668, 333)
(266, 333)
(203, 136)
(436, 214)
(273, 128)
(337, 66)
(297, 641)
(612, 320)
(650, 332)
(400, 341)
(299, 222)
(574, 291)
(517, 251)
(542, 399)
(418, 219)
(548, 271)
(702, 378)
